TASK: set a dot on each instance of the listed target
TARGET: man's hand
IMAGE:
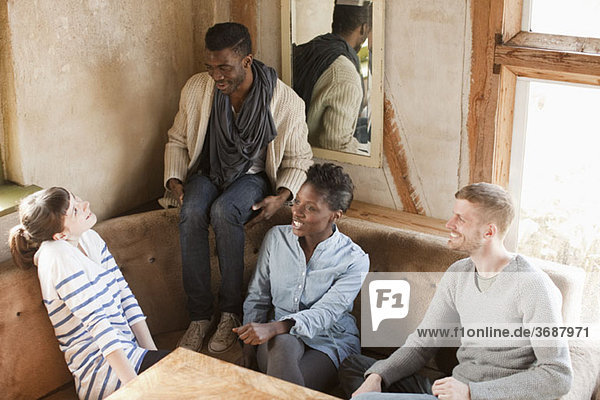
(371, 384)
(450, 389)
(176, 187)
(254, 333)
(269, 206)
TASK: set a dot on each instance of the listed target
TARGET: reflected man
(327, 77)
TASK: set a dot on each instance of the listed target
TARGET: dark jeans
(354, 367)
(151, 358)
(227, 211)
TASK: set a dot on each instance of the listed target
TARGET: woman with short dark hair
(308, 274)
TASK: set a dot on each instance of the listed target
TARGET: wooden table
(185, 374)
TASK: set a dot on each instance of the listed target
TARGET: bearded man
(491, 286)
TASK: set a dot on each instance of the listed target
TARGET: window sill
(11, 194)
(398, 219)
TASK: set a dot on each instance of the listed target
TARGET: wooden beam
(396, 158)
(8, 103)
(504, 127)
(551, 60)
(555, 75)
(486, 17)
(511, 23)
(556, 42)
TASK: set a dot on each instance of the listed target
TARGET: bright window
(562, 17)
(556, 140)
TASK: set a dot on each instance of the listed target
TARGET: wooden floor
(398, 219)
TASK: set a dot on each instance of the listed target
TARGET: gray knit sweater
(521, 294)
(334, 107)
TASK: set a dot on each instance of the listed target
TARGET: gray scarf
(234, 143)
(311, 59)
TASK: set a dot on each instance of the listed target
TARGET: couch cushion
(146, 247)
(31, 364)
(586, 372)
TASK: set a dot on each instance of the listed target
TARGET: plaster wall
(426, 81)
(427, 72)
(96, 87)
(311, 18)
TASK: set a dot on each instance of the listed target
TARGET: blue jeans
(227, 211)
(352, 372)
(394, 396)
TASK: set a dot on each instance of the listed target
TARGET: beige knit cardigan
(334, 106)
(288, 156)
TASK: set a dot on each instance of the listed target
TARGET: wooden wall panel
(504, 127)
(245, 12)
(486, 17)
(396, 158)
(511, 25)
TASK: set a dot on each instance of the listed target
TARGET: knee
(193, 213)
(223, 212)
(284, 346)
(355, 364)
(282, 341)
(351, 360)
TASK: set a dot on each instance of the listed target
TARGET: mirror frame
(374, 160)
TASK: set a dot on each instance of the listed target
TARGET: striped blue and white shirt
(91, 309)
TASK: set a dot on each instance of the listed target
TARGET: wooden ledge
(11, 194)
(398, 219)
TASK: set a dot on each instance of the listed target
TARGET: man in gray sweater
(491, 287)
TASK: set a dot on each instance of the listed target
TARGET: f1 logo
(389, 299)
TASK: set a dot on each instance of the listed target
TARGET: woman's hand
(255, 333)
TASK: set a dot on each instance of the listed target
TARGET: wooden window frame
(502, 53)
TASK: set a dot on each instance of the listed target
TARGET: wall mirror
(338, 71)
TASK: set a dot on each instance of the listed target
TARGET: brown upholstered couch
(146, 246)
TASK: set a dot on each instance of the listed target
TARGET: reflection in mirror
(304, 20)
(331, 71)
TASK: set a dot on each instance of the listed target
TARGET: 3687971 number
(560, 332)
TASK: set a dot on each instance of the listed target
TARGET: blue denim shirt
(318, 296)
